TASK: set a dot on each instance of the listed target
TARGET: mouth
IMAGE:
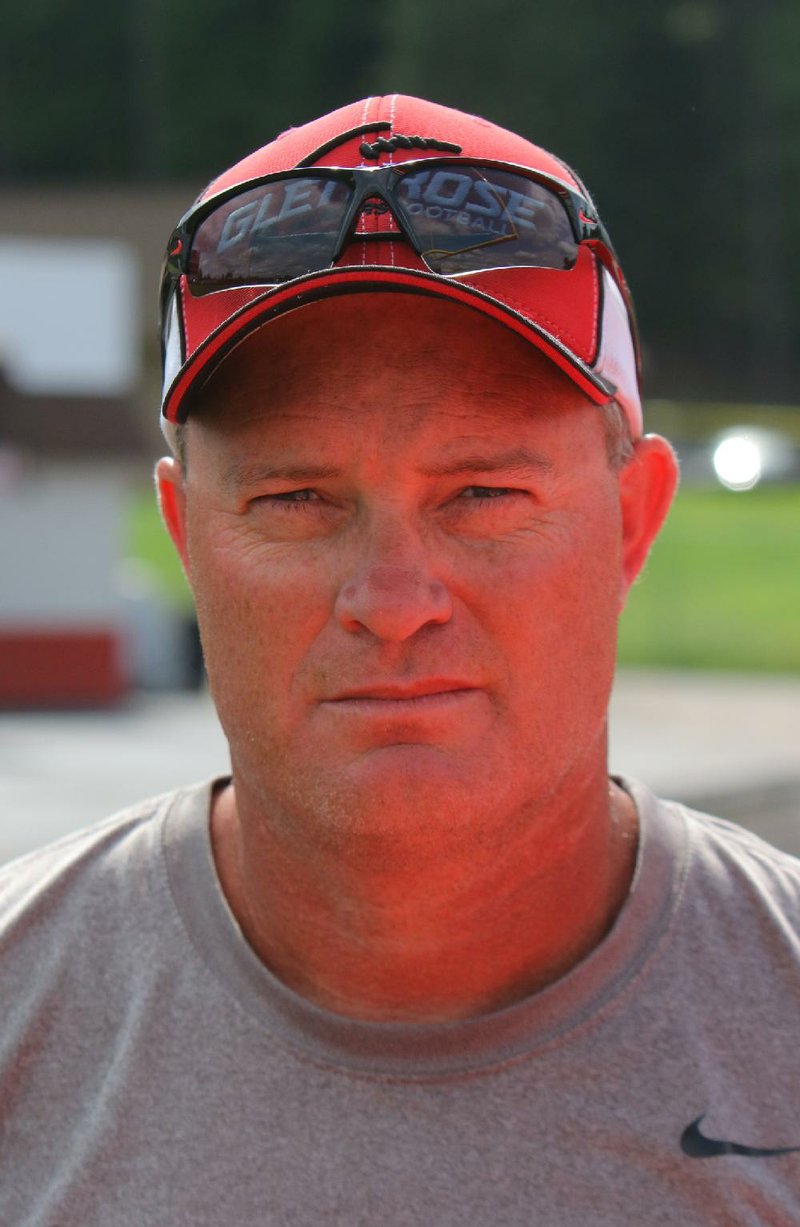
(405, 706)
(396, 692)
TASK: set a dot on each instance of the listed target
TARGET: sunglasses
(459, 216)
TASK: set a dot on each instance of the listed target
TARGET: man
(418, 961)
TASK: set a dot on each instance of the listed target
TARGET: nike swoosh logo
(697, 1146)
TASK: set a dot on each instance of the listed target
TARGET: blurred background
(683, 118)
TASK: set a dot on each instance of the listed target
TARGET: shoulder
(87, 926)
(715, 850)
(75, 890)
(732, 860)
(74, 855)
(732, 889)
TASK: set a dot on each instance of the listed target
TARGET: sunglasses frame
(381, 182)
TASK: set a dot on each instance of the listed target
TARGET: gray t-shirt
(153, 1073)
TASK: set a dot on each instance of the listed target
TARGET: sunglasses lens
(463, 218)
(272, 233)
(467, 218)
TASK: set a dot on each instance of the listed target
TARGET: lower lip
(421, 704)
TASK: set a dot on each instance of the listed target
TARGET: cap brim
(358, 280)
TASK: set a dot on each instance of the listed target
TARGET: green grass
(722, 586)
(149, 543)
(721, 589)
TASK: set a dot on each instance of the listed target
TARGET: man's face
(408, 555)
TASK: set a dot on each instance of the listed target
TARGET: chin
(405, 793)
(414, 792)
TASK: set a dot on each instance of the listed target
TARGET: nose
(392, 595)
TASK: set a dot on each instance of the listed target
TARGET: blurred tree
(64, 110)
(682, 118)
(243, 71)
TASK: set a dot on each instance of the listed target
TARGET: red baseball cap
(565, 294)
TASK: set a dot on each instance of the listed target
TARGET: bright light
(737, 462)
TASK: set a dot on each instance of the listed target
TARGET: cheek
(258, 612)
(569, 582)
(557, 617)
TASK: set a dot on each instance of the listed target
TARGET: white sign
(68, 316)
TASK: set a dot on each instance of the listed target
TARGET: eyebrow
(242, 474)
(518, 460)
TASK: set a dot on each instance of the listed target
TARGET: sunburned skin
(409, 554)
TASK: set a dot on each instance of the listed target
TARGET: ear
(647, 484)
(171, 491)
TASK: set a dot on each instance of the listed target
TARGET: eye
(487, 493)
(290, 498)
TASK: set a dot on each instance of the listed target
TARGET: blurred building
(69, 365)
(80, 622)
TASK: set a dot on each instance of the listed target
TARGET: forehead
(413, 362)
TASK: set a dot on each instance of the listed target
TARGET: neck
(429, 935)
